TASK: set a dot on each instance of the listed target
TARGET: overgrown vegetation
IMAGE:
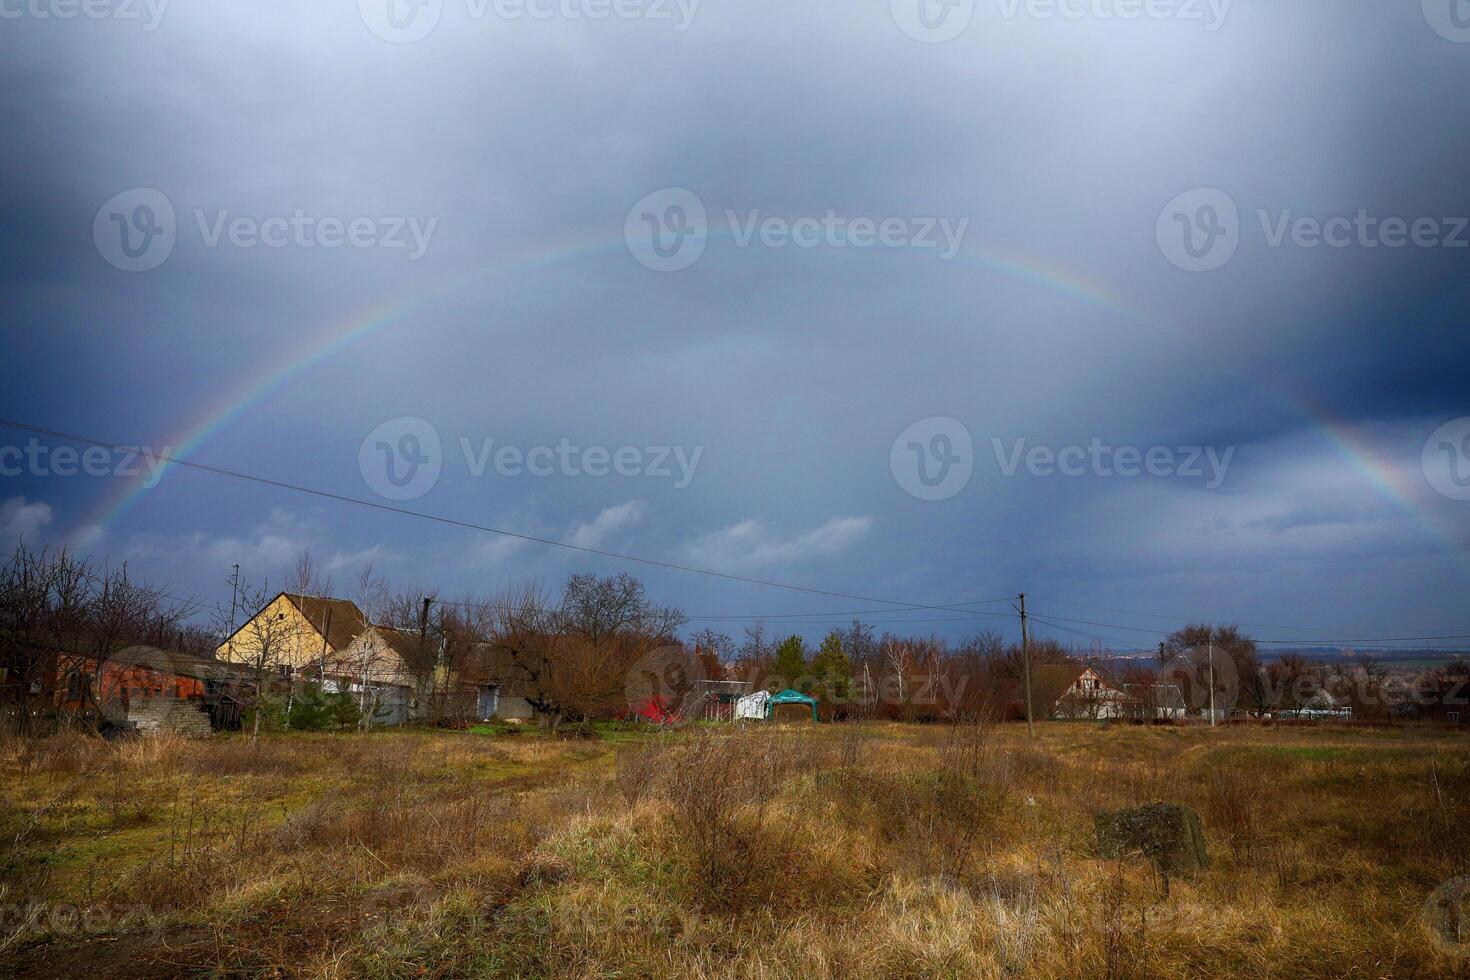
(855, 850)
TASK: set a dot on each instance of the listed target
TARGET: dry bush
(852, 746)
(637, 768)
(965, 749)
(1232, 809)
(720, 788)
(240, 757)
(68, 752)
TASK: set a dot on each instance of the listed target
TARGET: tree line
(599, 644)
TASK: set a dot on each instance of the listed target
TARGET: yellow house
(295, 630)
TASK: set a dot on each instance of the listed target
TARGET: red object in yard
(657, 711)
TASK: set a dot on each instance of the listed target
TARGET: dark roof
(1050, 681)
(346, 620)
(493, 664)
(405, 643)
(178, 664)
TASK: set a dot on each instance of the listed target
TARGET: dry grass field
(839, 851)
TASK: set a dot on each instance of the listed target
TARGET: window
(1452, 715)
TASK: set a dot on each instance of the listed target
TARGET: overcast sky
(1164, 313)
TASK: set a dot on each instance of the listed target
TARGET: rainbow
(1388, 480)
(276, 372)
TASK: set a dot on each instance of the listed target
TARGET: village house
(149, 689)
(397, 675)
(1155, 702)
(1074, 691)
(388, 669)
(300, 629)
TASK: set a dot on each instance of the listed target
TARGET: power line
(465, 525)
(1076, 632)
(728, 576)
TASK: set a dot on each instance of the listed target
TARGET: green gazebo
(790, 696)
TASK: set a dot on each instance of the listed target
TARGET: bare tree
(596, 607)
(118, 613)
(265, 644)
(43, 601)
(575, 659)
(756, 647)
(307, 579)
(898, 659)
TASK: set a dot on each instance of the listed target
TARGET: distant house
(396, 678)
(1441, 695)
(150, 689)
(378, 666)
(1322, 706)
(1074, 691)
(302, 628)
(1155, 702)
(504, 686)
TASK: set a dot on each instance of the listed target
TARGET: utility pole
(1026, 667)
(423, 635)
(322, 663)
(234, 597)
(1212, 683)
(424, 626)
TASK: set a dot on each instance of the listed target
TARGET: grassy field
(839, 851)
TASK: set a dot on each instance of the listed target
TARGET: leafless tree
(595, 607)
(756, 647)
(43, 600)
(575, 658)
(306, 578)
(265, 644)
(119, 612)
(61, 620)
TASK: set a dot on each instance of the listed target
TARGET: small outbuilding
(792, 697)
(752, 707)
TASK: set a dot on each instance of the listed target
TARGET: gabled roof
(405, 643)
(1050, 681)
(341, 619)
(346, 620)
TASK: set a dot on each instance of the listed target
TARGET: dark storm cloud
(526, 320)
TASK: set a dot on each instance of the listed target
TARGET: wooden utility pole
(1212, 683)
(234, 599)
(322, 664)
(423, 637)
(1026, 667)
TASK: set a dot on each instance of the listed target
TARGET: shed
(790, 696)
